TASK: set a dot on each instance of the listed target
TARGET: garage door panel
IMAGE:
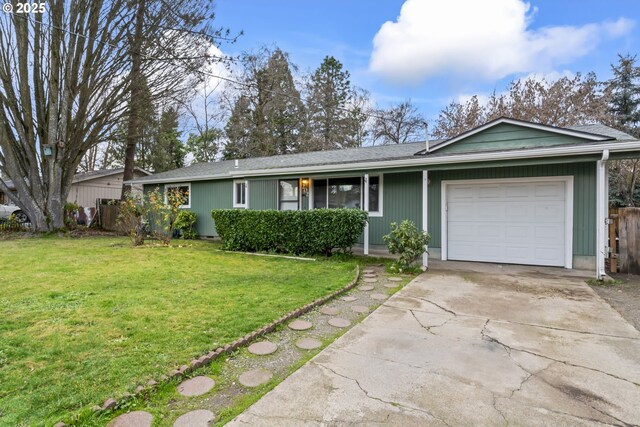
(522, 223)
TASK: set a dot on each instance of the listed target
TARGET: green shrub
(11, 223)
(407, 241)
(317, 231)
(184, 224)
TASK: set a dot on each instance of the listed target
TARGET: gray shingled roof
(85, 176)
(333, 157)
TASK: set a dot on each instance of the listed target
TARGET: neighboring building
(507, 192)
(89, 186)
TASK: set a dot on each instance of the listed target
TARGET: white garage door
(508, 222)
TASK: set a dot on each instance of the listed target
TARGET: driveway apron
(452, 348)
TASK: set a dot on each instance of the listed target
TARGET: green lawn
(85, 319)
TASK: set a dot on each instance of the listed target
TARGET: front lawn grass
(86, 319)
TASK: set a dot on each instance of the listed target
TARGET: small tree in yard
(407, 241)
(134, 211)
(131, 218)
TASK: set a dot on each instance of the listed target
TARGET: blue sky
(438, 51)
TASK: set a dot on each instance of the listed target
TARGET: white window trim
(379, 212)
(244, 205)
(183, 184)
(568, 180)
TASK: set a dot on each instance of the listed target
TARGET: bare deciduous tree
(63, 83)
(399, 124)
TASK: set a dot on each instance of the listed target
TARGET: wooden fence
(624, 240)
(108, 215)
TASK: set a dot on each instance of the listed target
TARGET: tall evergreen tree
(268, 116)
(168, 151)
(625, 108)
(330, 125)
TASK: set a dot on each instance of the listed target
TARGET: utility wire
(206, 73)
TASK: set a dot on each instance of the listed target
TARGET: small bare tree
(399, 124)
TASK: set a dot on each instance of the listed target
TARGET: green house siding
(206, 196)
(402, 199)
(263, 194)
(584, 197)
(507, 137)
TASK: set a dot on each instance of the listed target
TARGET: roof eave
(418, 161)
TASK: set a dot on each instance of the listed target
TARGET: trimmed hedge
(317, 231)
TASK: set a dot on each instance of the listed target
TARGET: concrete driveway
(482, 345)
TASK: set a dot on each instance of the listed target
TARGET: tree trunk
(134, 125)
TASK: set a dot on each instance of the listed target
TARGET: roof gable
(510, 134)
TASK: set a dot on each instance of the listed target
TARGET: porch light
(305, 186)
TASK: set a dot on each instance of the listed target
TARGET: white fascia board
(613, 147)
(562, 131)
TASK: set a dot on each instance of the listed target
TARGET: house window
(375, 195)
(240, 195)
(183, 189)
(288, 196)
(347, 193)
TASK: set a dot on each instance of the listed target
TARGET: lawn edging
(206, 359)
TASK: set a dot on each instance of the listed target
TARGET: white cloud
(489, 39)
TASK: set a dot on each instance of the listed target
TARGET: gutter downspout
(602, 205)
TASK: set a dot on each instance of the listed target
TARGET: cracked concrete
(506, 347)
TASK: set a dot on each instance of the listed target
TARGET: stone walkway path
(202, 400)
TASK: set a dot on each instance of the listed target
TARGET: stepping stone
(255, 377)
(262, 348)
(391, 285)
(196, 386)
(360, 309)
(300, 325)
(339, 322)
(368, 271)
(379, 297)
(348, 299)
(329, 311)
(395, 279)
(308, 343)
(197, 418)
(370, 280)
(370, 275)
(366, 288)
(132, 419)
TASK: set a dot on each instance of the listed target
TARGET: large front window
(347, 193)
(288, 198)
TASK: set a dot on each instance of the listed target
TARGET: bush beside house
(317, 231)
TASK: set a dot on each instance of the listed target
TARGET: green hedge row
(317, 231)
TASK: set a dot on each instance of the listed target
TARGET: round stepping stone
(132, 419)
(262, 348)
(308, 343)
(197, 418)
(360, 309)
(348, 299)
(366, 288)
(329, 311)
(339, 322)
(196, 386)
(379, 297)
(255, 377)
(370, 280)
(300, 325)
(391, 285)
(394, 279)
(368, 271)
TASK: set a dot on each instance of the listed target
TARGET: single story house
(509, 191)
(87, 187)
